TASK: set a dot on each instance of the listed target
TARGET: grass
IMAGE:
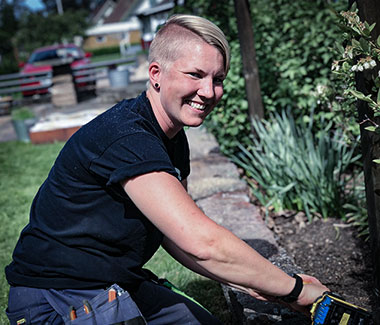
(105, 57)
(23, 168)
(206, 292)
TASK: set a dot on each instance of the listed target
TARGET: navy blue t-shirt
(84, 231)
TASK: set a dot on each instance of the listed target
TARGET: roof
(113, 28)
(164, 6)
(120, 12)
(98, 9)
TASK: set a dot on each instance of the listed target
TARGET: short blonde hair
(177, 30)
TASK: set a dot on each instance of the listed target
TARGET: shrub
(294, 41)
(229, 121)
(290, 168)
(22, 113)
(357, 211)
(104, 50)
(293, 44)
(8, 65)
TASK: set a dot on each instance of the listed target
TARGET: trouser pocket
(19, 318)
(112, 306)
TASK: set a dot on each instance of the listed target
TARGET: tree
(38, 30)
(248, 53)
(86, 5)
(369, 11)
(21, 30)
(8, 25)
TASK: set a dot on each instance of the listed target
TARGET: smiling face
(189, 87)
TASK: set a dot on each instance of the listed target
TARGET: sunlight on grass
(23, 168)
(207, 292)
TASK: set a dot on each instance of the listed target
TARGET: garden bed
(330, 250)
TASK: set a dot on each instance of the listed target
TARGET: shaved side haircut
(178, 29)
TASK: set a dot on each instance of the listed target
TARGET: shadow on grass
(210, 295)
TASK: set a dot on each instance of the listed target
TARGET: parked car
(51, 61)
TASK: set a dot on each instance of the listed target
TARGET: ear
(155, 71)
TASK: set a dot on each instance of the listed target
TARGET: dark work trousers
(157, 303)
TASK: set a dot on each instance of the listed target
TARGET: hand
(312, 289)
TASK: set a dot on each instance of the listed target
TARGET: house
(113, 22)
(125, 22)
(152, 16)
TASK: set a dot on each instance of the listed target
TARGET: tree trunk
(248, 53)
(369, 10)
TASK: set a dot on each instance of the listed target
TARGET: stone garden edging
(216, 187)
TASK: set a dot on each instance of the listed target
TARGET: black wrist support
(293, 295)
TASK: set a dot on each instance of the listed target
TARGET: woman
(117, 191)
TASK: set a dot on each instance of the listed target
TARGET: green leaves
(364, 44)
(368, 29)
(38, 30)
(371, 128)
(361, 96)
(361, 55)
(355, 43)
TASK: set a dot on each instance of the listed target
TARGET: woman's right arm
(212, 248)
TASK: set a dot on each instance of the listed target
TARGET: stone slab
(234, 212)
(201, 143)
(212, 175)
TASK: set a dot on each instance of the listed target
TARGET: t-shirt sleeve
(131, 156)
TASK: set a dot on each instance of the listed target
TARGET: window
(101, 39)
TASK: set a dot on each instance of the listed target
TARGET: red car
(49, 61)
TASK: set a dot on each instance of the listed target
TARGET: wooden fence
(84, 77)
(21, 82)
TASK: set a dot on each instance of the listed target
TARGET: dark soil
(331, 251)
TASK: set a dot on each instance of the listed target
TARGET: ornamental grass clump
(288, 167)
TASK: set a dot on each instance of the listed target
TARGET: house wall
(110, 40)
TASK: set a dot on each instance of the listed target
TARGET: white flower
(320, 89)
(335, 66)
(366, 65)
(372, 63)
(354, 68)
(360, 68)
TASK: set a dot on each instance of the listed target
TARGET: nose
(206, 88)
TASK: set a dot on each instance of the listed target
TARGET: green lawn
(105, 57)
(23, 167)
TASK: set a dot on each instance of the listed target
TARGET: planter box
(60, 126)
(51, 136)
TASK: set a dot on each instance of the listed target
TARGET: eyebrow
(218, 74)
